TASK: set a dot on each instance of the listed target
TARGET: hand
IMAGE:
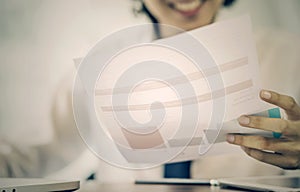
(283, 152)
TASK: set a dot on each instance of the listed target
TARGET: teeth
(188, 6)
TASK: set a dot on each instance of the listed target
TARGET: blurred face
(185, 14)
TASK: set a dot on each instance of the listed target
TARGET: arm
(18, 161)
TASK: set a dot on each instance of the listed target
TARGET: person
(284, 150)
(285, 154)
(188, 15)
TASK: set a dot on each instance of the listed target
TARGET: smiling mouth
(186, 8)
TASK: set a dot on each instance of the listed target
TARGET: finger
(286, 127)
(282, 146)
(283, 101)
(285, 162)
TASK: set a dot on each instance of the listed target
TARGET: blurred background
(40, 38)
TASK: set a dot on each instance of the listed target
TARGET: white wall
(39, 39)
(276, 14)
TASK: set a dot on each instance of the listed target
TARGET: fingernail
(265, 94)
(244, 120)
(230, 138)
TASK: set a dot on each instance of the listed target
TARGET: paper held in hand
(211, 77)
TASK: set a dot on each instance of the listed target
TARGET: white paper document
(195, 105)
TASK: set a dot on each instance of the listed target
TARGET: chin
(187, 26)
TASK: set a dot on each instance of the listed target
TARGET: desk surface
(121, 187)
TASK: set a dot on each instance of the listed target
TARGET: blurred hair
(228, 3)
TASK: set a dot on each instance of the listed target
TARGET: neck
(164, 31)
